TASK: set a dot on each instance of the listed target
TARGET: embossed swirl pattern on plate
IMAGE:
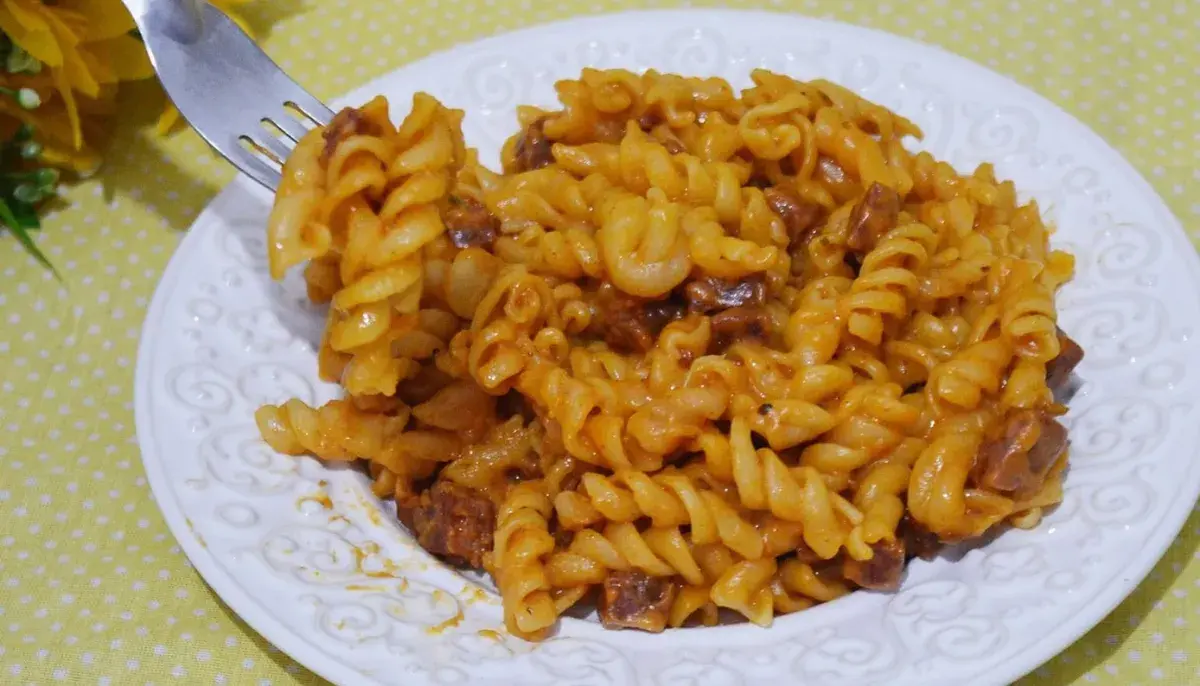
(313, 565)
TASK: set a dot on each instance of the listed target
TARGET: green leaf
(9, 219)
(27, 216)
(19, 61)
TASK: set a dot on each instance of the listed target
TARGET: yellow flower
(85, 48)
(170, 115)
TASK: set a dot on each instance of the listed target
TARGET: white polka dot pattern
(92, 587)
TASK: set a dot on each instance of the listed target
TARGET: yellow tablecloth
(92, 587)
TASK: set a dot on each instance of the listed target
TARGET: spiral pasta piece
(962, 380)
(644, 247)
(746, 589)
(620, 546)
(887, 280)
(669, 500)
(523, 543)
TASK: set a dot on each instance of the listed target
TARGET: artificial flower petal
(30, 13)
(64, 90)
(37, 40)
(97, 63)
(105, 18)
(126, 57)
(86, 49)
(85, 161)
(167, 120)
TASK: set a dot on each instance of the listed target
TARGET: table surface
(93, 588)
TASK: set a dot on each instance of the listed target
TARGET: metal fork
(226, 87)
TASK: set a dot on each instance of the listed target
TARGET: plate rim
(228, 591)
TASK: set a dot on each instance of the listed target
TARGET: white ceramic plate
(311, 560)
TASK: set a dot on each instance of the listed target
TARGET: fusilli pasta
(690, 350)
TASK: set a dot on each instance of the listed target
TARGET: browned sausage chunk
(1060, 368)
(883, 571)
(1018, 461)
(873, 216)
(344, 124)
(918, 541)
(657, 314)
(624, 329)
(798, 215)
(740, 323)
(469, 224)
(533, 148)
(452, 522)
(709, 294)
(633, 600)
(649, 120)
(632, 324)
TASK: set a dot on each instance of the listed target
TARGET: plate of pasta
(762, 348)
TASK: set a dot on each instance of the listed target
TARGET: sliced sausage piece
(883, 571)
(632, 324)
(344, 124)
(740, 323)
(873, 216)
(709, 294)
(533, 148)
(918, 541)
(452, 522)
(1049, 447)
(798, 215)
(1069, 356)
(649, 120)
(658, 313)
(624, 329)
(1018, 461)
(634, 600)
(469, 224)
(406, 510)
